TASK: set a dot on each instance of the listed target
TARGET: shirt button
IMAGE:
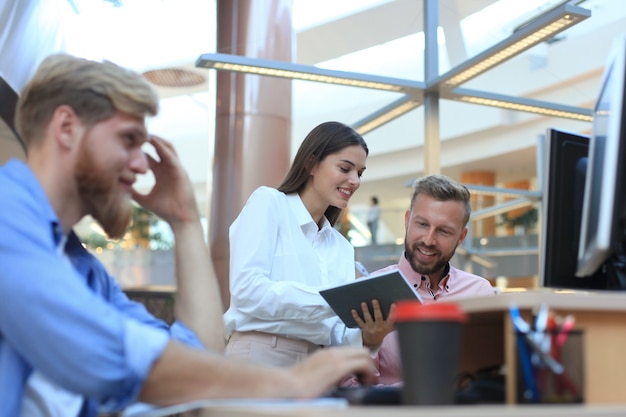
(423, 278)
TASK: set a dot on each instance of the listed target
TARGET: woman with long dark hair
(284, 250)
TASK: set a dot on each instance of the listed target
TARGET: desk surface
(558, 299)
(404, 411)
(600, 327)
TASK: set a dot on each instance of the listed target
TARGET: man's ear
(407, 217)
(66, 126)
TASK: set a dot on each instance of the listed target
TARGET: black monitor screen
(601, 244)
(564, 181)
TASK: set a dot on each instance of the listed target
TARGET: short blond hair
(94, 90)
(443, 188)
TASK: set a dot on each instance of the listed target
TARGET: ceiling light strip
(305, 76)
(541, 29)
(237, 63)
(520, 104)
(386, 114)
(527, 108)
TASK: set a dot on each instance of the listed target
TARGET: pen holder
(550, 367)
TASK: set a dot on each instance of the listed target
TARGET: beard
(96, 189)
(422, 269)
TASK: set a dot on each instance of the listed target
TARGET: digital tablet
(387, 288)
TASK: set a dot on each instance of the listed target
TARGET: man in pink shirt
(436, 225)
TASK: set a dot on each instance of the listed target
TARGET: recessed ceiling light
(174, 78)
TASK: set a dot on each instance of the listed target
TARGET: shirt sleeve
(344, 335)
(62, 328)
(130, 308)
(487, 289)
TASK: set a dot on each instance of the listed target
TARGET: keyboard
(373, 395)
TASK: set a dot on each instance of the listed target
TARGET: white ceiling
(474, 138)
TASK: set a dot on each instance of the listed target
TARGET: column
(521, 215)
(253, 116)
(485, 227)
(520, 223)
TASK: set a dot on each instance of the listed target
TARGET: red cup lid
(411, 310)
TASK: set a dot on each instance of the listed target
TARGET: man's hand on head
(172, 197)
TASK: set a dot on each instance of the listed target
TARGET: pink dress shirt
(457, 284)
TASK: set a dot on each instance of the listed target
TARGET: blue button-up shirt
(68, 320)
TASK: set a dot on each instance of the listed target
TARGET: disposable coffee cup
(429, 337)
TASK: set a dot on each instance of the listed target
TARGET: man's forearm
(184, 374)
(198, 303)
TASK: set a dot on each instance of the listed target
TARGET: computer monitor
(603, 224)
(565, 168)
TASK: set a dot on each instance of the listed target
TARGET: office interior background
(498, 150)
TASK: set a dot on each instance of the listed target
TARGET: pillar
(513, 214)
(253, 117)
(519, 281)
(485, 227)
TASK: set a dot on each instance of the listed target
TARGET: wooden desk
(488, 340)
(597, 410)
(600, 316)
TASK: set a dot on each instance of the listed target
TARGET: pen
(359, 267)
(539, 335)
(541, 321)
(566, 327)
(521, 330)
(554, 365)
(542, 340)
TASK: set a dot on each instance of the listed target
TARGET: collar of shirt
(422, 281)
(21, 174)
(304, 219)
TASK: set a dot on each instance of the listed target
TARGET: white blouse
(279, 261)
